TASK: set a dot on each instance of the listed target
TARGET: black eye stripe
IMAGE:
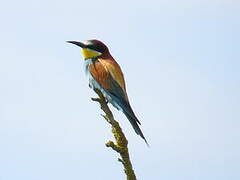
(97, 47)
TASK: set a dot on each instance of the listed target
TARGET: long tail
(119, 101)
(134, 122)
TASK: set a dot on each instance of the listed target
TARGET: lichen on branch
(121, 144)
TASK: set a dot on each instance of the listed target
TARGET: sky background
(181, 61)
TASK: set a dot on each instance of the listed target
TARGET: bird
(105, 74)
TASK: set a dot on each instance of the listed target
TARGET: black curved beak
(77, 43)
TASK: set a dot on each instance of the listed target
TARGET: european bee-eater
(105, 74)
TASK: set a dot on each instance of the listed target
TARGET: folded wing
(109, 76)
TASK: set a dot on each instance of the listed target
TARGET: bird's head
(92, 48)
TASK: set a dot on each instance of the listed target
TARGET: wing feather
(114, 69)
(100, 74)
(108, 74)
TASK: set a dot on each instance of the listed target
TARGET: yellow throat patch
(88, 53)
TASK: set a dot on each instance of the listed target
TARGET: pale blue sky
(181, 62)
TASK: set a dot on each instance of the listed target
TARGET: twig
(121, 144)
